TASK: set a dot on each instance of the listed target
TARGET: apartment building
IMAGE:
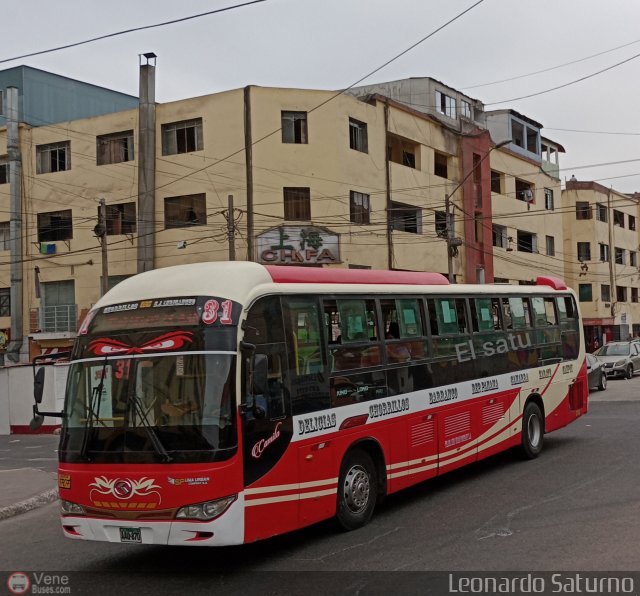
(316, 178)
(601, 253)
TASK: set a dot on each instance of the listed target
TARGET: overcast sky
(330, 44)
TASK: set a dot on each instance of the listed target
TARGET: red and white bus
(223, 403)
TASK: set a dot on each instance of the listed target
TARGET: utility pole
(101, 232)
(452, 241)
(231, 232)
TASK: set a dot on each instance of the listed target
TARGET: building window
(618, 218)
(632, 222)
(620, 260)
(445, 105)
(409, 159)
(55, 225)
(294, 128)
(121, 219)
(185, 211)
(297, 204)
(4, 171)
(548, 199)
(182, 137)
(585, 292)
(527, 242)
(601, 212)
(524, 191)
(441, 224)
(359, 208)
(584, 251)
(402, 151)
(358, 135)
(551, 246)
(406, 218)
(114, 148)
(604, 252)
(55, 157)
(583, 210)
(499, 236)
(634, 294)
(621, 294)
(5, 302)
(440, 163)
(465, 109)
(633, 258)
(605, 293)
(496, 182)
(5, 231)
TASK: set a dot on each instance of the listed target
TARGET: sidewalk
(28, 478)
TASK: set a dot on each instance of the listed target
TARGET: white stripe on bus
(292, 497)
(286, 487)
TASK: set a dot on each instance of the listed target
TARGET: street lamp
(453, 243)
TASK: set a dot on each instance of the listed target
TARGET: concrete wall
(16, 397)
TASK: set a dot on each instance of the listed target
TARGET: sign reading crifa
(297, 245)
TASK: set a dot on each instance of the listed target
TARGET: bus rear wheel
(532, 430)
(357, 490)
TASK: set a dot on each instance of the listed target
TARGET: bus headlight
(206, 511)
(69, 508)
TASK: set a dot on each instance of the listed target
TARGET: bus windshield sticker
(169, 341)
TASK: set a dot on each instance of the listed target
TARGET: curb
(29, 504)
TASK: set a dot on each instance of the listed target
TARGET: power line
(132, 30)
(589, 76)
(530, 74)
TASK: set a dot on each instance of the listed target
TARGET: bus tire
(532, 430)
(357, 490)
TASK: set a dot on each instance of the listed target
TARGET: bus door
(267, 425)
(309, 394)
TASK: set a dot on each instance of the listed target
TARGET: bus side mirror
(36, 421)
(38, 385)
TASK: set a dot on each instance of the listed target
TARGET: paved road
(576, 507)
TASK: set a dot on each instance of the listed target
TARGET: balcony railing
(58, 318)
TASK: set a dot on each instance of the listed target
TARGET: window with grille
(182, 137)
(406, 218)
(4, 235)
(297, 204)
(5, 302)
(584, 251)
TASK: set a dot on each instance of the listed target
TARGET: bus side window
(307, 382)
(264, 329)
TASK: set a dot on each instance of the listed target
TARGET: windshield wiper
(96, 399)
(155, 441)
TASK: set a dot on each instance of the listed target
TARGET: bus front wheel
(532, 430)
(357, 490)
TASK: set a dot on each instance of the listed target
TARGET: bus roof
(242, 280)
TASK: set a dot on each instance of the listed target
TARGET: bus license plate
(130, 535)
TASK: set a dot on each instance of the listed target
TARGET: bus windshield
(134, 409)
(153, 381)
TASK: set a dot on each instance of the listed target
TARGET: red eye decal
(169, 341)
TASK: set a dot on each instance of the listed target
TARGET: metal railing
(58, 318)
